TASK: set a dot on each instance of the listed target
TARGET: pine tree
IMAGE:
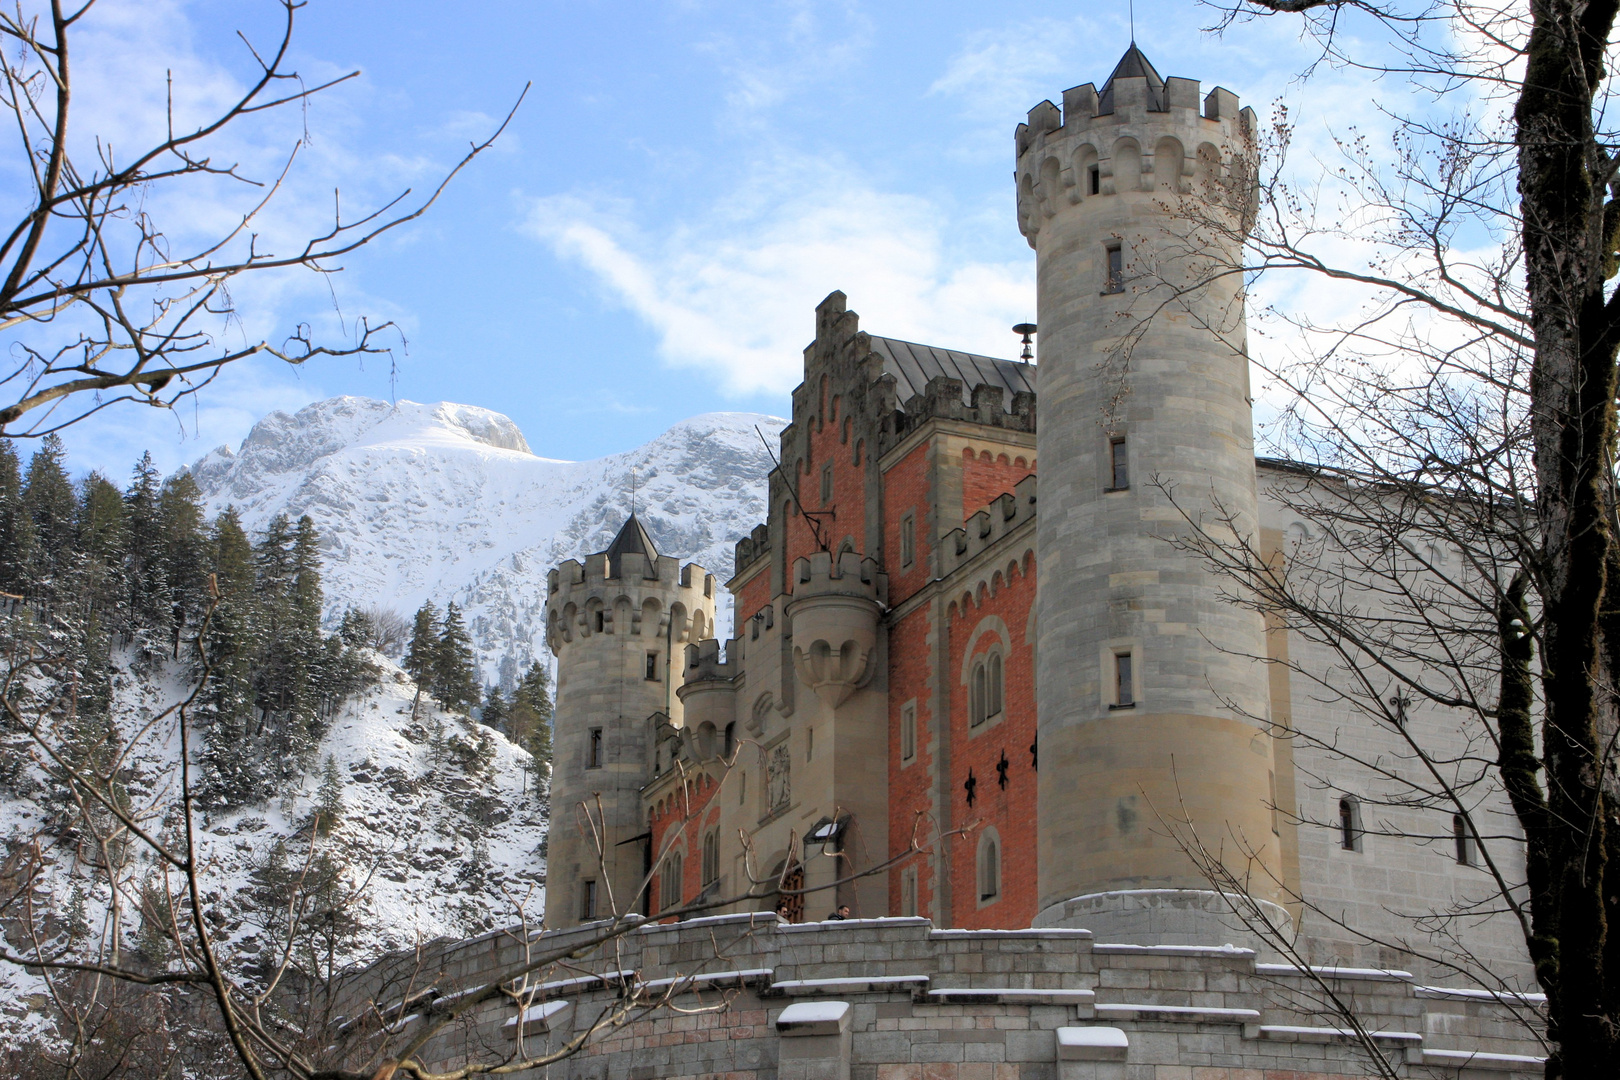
(495, 713)
(104, 540)
(454, 679)
(16, 526)
(531, 717)
(149, 605)
(419, 655)
(182, 555)
(53, 508)
(328, 808)
(234, 774)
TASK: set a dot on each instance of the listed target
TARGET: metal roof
(633, 539)
(912, 365)
(1133, 65)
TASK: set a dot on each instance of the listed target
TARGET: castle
(973, 676)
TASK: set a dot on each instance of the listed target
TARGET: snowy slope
(446, 502)
(441, 832)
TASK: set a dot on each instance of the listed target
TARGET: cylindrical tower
(1151, 705)
(618, 625)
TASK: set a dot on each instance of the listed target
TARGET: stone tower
(1150, 705)
(618, 626)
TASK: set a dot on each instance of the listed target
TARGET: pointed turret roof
(1133, 65)
(633, 539)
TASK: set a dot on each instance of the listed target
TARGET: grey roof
(912, 365)
(1133, 65)
(633, 539)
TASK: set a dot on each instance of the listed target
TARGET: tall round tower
(1151, 708)
(618, 625)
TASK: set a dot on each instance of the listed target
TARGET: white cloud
(734, 292)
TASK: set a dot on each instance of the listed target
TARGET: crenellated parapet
(942, 398)
(1141, 135)
(584, 599)
(1007, 514)
(756, 545)
(835, 611)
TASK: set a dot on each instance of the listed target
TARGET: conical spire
(633, 539)
(1133, 65)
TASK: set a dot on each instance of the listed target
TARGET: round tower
(1151, 707)
(618, 625)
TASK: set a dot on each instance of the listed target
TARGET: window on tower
(1115, 282)
(593, 751)
(1119, 472)
(908, 731)
(826, 484)
(1124, 681)
(652, 666)
(1096, 181)
(908, 540)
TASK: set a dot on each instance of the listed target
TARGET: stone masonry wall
(896, 999)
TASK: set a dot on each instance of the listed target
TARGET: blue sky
(683, 183)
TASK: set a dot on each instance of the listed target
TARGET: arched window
(978, 696)
(993, 685)
(669, 889)
(711, 857)
(989, 866)
(1350, 823)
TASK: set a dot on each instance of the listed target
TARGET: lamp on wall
(1028, 330)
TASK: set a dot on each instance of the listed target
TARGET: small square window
(908, 540)
(652, 666)
(593, 752)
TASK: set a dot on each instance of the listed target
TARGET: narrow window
(670, 890)
(742, 790)
(826, 484)
(1124, 686)
(593, 753)
(809, 744)
(731, 739)
(652, 665)
(908, 892)
(1096, 180)
(1119, 472)
(587, 900)
(1116, 270)
(711, 858)
(976, 697)
(992, 705)
(1464, 840)
(599, 619)
(1349, 823)
(908, 732)
(908, 540)
(989, 869)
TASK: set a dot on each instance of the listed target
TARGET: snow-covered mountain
(446, 502)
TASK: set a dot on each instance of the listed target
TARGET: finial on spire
(632, 490)
(1132, 5)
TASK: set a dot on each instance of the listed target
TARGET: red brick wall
(910, 782)
(755, 594)
(1010, 810)
(671, 813)
(989, 472)
(905, 489)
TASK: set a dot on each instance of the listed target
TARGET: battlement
(753, 546)
(705, 663)
(1138, 134)
(583, 599)
(942, 398)
(850, 574)
(984, 530)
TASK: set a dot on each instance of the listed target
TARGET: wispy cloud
(732, 292)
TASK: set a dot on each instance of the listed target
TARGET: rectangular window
(809, 743)
(1271, 778)
(1096, 180)
(1464, 839)
(587, 900)
(908, 540)
(652, 666)
(908, 892)
(593, 753)
(1119, 472)
(1116, 270)
(826, 484)
(742, 790)
(1124, 688)
(908, 732)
